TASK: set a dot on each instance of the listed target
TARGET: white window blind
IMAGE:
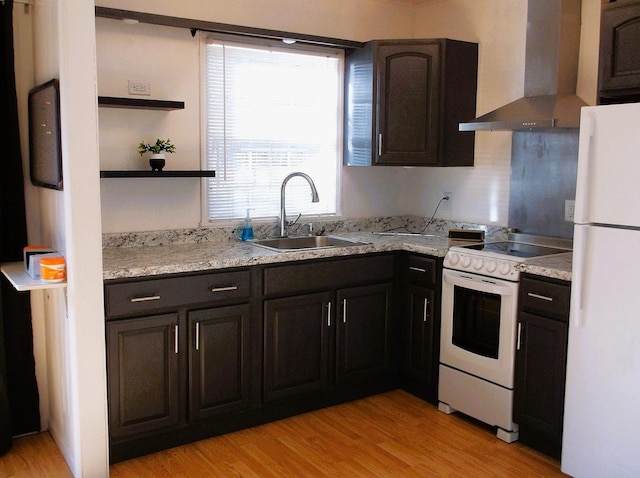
(270, 112)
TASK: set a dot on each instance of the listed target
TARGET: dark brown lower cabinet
(421, 325)
(296, 346)
(315, 340)
(218, 360)
(364, 333)
(540, 366)
(143, 374)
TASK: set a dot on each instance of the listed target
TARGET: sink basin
(304, 243)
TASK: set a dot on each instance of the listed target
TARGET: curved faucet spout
(283, 214)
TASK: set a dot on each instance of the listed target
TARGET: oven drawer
(146, 295)
(546, 298)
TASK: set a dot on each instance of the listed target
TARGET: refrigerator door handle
(581, 213)
(579, 275)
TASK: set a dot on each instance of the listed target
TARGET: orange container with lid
(53, 269)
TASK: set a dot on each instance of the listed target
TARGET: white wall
(481, 193)
(127, 52)
(64, 48)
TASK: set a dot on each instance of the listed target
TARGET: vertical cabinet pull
(425, 313)
(197, 335)
(344, 311)
(329, 314)
(519, 335)
(380, 145)
(175, 338)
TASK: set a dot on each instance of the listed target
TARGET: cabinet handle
(224, 289)
(197, 335)
(418, 269)
(541, 297)
(519, 335)
(426, 309)
(144, 299)
(175, 338)
(328, 314)
(380, 145)
(344, 311)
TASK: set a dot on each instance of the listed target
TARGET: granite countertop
(557, 266)
(144, 261)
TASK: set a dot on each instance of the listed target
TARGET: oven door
(479, 326)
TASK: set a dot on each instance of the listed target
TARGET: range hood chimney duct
(551, 73)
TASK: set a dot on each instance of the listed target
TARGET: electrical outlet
(140, 87)
(569, 209)
(447, 204)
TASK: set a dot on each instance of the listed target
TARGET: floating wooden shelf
(139, 103)
(157, 174)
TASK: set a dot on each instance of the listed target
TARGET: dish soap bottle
(247, 230)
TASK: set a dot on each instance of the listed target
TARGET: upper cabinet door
(619, 58)
(408, 104)
(404, 100)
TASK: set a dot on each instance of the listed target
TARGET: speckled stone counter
(169, 252)
(122, 262)
(557, 266)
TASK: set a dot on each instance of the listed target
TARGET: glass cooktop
(516, 249)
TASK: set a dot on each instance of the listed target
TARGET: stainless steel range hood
(551, 73)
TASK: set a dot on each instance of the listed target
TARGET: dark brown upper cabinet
(619, 64)
(404, 100)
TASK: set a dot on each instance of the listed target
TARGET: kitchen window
(269, 110)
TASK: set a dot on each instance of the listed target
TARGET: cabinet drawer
(549, 299)
(295, 278)
(145, 295)
(421, 269)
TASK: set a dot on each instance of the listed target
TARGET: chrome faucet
(284, 224)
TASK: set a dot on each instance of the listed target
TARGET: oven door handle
(480, 283)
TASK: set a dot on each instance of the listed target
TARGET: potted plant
(158, 152)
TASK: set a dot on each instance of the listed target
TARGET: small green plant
(159, 146)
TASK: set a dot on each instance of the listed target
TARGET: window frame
(244, 41)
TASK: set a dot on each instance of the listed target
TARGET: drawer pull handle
(417, 269)
(224, 289)
(144, 299)
(541, 297)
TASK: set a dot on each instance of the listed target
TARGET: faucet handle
(291, 223)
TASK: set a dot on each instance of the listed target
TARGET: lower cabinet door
(363, 333)
(538, 404)
(422, 340)
(143, 374)
(296, 345)
(218, 360)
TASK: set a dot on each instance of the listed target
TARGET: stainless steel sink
(304, 243)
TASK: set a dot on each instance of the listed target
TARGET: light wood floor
(388, 435)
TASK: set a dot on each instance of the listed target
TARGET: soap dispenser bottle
(247, 229)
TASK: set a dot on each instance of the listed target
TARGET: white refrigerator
(602, 403)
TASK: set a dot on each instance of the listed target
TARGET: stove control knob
(477, 264)
(505, 268)
(491, 266)
(453, 258)
(466, 261)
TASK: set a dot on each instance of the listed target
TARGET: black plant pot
(156, 164)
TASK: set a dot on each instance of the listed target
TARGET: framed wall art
(45, 161)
